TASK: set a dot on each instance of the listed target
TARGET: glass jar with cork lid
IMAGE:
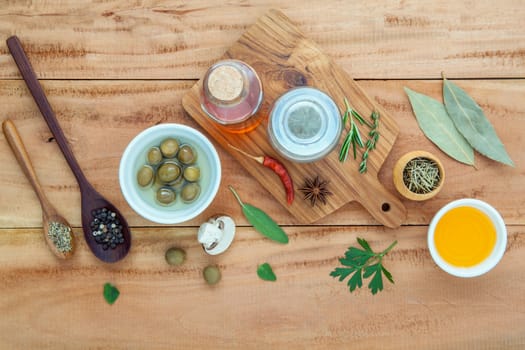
(232, 95)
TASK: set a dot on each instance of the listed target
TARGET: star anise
(315, 190)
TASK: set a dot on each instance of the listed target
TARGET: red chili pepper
(278, 168)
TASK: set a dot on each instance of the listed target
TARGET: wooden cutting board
(284, 58)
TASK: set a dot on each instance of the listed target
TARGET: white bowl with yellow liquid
(467, 237)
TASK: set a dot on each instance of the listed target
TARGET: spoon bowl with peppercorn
(111, 241)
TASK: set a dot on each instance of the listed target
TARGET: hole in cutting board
(385, 207)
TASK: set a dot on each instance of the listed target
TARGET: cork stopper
(226, 83)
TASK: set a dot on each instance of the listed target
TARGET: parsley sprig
(363, 263)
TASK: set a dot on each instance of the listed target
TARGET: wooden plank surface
(119, 39)
(284, 59)
(113, 68)
(47, 305)
(124, 108)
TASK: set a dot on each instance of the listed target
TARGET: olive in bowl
(164, 185)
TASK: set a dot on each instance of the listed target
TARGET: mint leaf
(265, 272)
(111, 293)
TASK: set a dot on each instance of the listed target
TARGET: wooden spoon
(49, 213)
(91, 200)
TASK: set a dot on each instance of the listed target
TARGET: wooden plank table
(114, 68)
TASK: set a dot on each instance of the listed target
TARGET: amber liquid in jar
(232, 95)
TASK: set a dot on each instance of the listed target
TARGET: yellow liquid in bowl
(464, 236)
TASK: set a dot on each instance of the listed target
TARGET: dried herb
(371, 142)
(421, 175)
(261, 221)
(471, 122)
(60, 235)
(265, 272)
(436, 124)
(315, 190)
(363, 263)
(111, 293)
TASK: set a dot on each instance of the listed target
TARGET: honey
(465, 236)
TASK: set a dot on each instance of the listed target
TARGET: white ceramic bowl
(497, 252)
(142, 200)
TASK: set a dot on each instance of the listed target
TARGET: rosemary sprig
(371, 142)
(353, 137)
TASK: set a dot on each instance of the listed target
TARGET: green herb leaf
(436, 124)
(355, 281)
(265, 272)
(371, 142)
(111, 293)
(363, 264)
(342, 273)
(387, 274)
(261, 221)
(365, 245)
(470, 120)
(376, 284)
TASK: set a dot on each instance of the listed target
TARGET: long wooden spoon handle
(17, 145)
(21, 60)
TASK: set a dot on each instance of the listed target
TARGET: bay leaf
(471, 122)
(436, 124)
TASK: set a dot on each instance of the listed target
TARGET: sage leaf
(261, 221)
(265, 272)
(111, 293)
(437, 125)
(469, 119)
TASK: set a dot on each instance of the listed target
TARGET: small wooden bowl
(398, 175)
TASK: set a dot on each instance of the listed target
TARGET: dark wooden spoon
(91, 200)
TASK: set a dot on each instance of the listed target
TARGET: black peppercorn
(106, 228)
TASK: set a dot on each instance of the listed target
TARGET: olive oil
(465, 236)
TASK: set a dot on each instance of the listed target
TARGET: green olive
(168, 172)
(211, 274)
(154, 156)
(192, 173)
(175, 256)
(169, 147)
(178, 184)
(187, 155)
(145, 175)
(166, 196)
(190, 192)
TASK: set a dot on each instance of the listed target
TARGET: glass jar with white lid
(304, 125)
